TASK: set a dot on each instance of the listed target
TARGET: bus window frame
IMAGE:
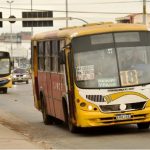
(7, 56)
(115, 46)
(54, 56)
(60, 51)
(48, 49)
(41, 67)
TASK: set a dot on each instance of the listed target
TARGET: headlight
(86, 106)
(90, 107)
(14, 76)
(25, 75)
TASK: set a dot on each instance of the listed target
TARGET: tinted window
(41, 63)
(47, 55)
(54, 56)
(20, 71)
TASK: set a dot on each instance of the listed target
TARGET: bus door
(57, 79)
(48, 81)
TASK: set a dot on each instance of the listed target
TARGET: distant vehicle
(5, 72)
(20, 75)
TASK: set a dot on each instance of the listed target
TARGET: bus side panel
(50, 104)
(41, 80)
(35, 77)
(57, 97)
(43, 85)
(63, 85)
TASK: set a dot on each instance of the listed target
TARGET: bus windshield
(4, 66)
(111, 60)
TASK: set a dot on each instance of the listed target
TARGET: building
(134, 18)
(18, 45)
(15, 37)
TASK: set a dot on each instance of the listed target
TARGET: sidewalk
(10, 139)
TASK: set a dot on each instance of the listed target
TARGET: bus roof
(89, 29)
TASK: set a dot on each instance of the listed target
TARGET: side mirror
(12, 64)
(62, 57)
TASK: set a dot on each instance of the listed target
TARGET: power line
(81, 12)
(87, 3)
(118, 2)
(81, 3)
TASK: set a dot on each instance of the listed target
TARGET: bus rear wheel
(46, 118)
(143, 125)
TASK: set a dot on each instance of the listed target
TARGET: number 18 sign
(129, 77)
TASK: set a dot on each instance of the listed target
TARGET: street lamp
(10, 2)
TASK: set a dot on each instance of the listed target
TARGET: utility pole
(144, 12)
(10, 2)
(31, 11)
(66, 13)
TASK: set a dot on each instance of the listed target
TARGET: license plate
(123, 116)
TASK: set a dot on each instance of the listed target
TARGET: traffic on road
(19, 114)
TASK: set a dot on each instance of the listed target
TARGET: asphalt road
(18, 112)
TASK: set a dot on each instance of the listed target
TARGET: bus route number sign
(129, 77)
(85, 72)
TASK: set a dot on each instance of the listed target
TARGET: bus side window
(40, 56)
(60, 48)
(47, 55)
(54, 56)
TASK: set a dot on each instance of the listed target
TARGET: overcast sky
(113, 6)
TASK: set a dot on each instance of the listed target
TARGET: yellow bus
(86, 76)
(5, 72)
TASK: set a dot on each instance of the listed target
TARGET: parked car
(20, 75)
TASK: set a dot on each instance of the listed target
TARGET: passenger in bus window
(133, 60)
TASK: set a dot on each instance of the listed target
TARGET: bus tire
(65, 110)
(72, 128)
(143, 125)
(46, 118)
(27, 82)
(5, 90)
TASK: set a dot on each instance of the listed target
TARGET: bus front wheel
(68, 121)
(46, 118)
(143, 125)
(72, 127)
(5, 90)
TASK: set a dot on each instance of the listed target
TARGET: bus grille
(19, 75)
(108, 120)
(115, 108)
(95, 98)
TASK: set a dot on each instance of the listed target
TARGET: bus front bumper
(5, 83)
(97, 119)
